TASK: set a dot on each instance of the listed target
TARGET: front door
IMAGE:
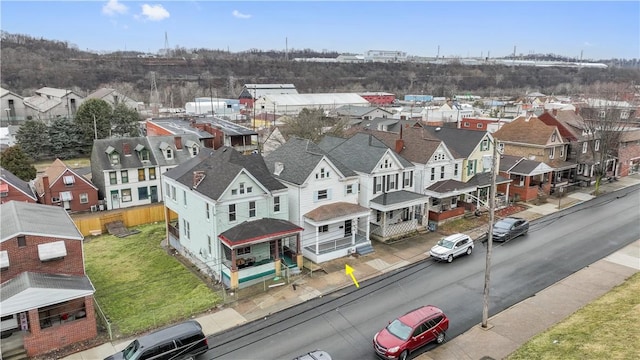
(154, 194)
(115, 199)
(347, 228)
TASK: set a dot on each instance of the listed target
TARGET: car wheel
(469, 250)
(450, 258)
(404, 355)
(440, 338)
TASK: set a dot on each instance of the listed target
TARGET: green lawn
(139, 286)
(608, 328)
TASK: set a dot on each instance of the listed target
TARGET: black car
(510, 228)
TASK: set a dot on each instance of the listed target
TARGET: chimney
(198, 176)
(554, 112)
(399, 145)
(46, 197)
(126, 148)
(178, 141)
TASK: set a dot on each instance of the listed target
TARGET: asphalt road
(343, 323)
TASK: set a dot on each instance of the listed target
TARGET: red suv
(411, 331)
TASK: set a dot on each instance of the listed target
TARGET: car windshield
(399, 329)
(503, 225)
(446, 244)
(130, 350)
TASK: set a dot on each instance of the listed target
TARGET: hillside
(28, 63)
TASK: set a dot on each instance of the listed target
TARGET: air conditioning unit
(94, 208)
(55, 200)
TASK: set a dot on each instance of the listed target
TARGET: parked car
(314, 355)
(510, 228)
(182, 341)
(411, 331)
(451, 247)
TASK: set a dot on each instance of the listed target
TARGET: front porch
(397, 214)
(334, 249)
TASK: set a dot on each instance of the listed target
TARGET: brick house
(45, 295)
(61, 186)
(629, 153)
(14, 188)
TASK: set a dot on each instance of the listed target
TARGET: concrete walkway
(510, 328)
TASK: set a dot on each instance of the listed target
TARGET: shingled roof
(526, 130)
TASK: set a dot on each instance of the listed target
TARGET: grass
(139, 286)
(608, 328)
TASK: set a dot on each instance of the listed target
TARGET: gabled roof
(220, 168)
(484, 179)
(361, 152)
(327, 100)
(565, 131)
(392, 125)
(418, 146)
(461, 142)
(17, 183)
(157, 143)
(21, 218)
(53, 92)
(31, 290)
(520, 166)
(4, 92)
(102, 148)
(358, 111)
(54, 172)
(300, 157)
(41, 103)
(525, 130)
(102, 92)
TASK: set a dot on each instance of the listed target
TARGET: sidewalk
(508, 329)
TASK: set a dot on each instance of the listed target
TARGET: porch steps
(364, 249)
(14, 354)
(295, 270)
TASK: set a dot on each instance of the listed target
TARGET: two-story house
(387, 184)
(323, 199)
(50, 103)
(13, 109)
(231, 218)
(12, 188)
(128, 171)
(61, 186)
(529, 137)
(47, 298)
(113, 97)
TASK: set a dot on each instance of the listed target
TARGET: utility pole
(492, 194)
(95, 128)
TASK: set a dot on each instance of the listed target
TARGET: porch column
(299, 257)
(234, 267)
(234, 282)
(368, 225)
(317, 241)
(353, 233)
(506, 193)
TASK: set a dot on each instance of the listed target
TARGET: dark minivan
(183, 341)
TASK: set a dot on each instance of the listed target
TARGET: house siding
(80, 186)
(15, 195)
(628, 153)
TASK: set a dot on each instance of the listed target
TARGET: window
(433, 174)
(124, 175)
(184, 198)
(471, 167)
(68, 180)
(113, 178)
(391, 181)
(194, 150)
(377, 184)
(455, 170)
(479, 125)
(209, 246)
(152, 173)
(232, 212)
(144, 155)
(485, 144)
(408, 179)
(249, 189)
(323, 228)
(244, 250)
(552, 152)
(466, 124)
(441, 172)
(168, 153)
(143, 193)
(141, 175)
(252, 209)
(624, 115)
(22, 241)
(584, 147)
(234, 191)
(207, 211)
(349, 189)
(241, 188)
(126, 195)
(173, 193)
(115, 158)
(186, 228)
(602, 114)
(276, 204)
(597, 145)
(323, 174)
(501, 147)
(553, 137)
(562, 151)
(84, 198)
(322, 194)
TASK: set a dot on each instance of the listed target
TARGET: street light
(8, 110)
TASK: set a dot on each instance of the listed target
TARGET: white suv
(452, 246)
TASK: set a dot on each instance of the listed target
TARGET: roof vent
(278, 168)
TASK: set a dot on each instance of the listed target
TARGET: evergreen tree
(124, 121)
(13, 159)
(33, 139)
(93, 119)
(66, 139)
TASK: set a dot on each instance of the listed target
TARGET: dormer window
(193, 147)
(143, 153)
(167, 151)
(114, 157)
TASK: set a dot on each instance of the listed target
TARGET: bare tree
(311, 124)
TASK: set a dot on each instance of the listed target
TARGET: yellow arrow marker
(349, 270)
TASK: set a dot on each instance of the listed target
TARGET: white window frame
(585, 146)
(596, 146)
(84, 198)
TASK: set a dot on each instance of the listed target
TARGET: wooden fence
(95, 223)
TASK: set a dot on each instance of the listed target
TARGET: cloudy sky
(595, 29)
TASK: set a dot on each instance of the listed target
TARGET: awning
(52, 250)
(4, 188)
(68, 179)
(109, 150)
(258, 231)
(4, 259)
(396, 200)
(164, 145)
(139, 147)
(66, 196)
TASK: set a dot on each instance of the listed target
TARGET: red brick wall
(40, 341)
(80, 186)
(15, 195)
(26, 258)
(379, 99)
(472, 124)
(626, 153)
(155, 130)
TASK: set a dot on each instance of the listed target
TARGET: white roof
(330, 99)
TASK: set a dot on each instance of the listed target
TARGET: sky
(592, 30)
